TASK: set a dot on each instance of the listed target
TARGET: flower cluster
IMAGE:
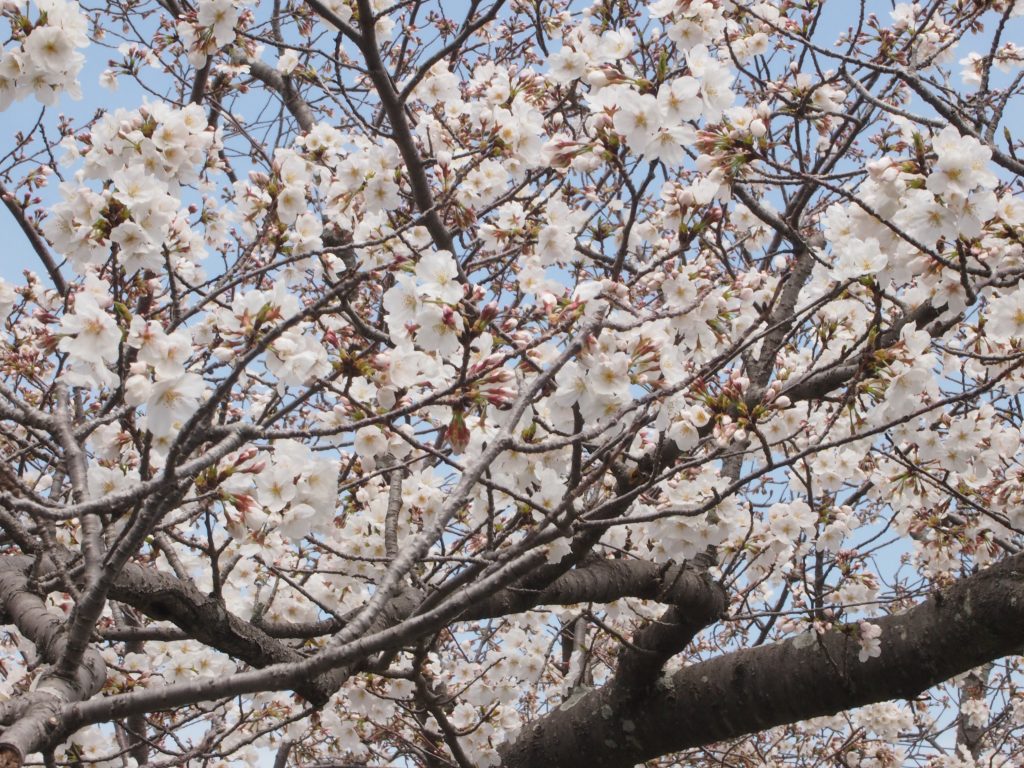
(208, 29)
(143, 158)
(422, 305)
(293, 493)
(44, 62)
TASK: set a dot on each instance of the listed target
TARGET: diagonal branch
(285, 88)
(394, 108)
(35, 239)
(975, 621)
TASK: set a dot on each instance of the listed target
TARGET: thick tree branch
(695, 602)
(978, 619)
(43, 705)
(204, 618)
(601, 581)
(163, 597)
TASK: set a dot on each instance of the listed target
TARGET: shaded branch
(975, 621)
(31, 728)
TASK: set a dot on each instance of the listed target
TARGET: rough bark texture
(601, 581)
(979, 619)
(44, 704)
(165, 598)
(695, 601)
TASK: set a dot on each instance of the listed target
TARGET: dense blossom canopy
(512, 382)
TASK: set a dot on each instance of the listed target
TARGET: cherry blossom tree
(512, 383)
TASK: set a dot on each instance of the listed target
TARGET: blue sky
(23, 114)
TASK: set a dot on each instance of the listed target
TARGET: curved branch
(975, 621)
(42, 706)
